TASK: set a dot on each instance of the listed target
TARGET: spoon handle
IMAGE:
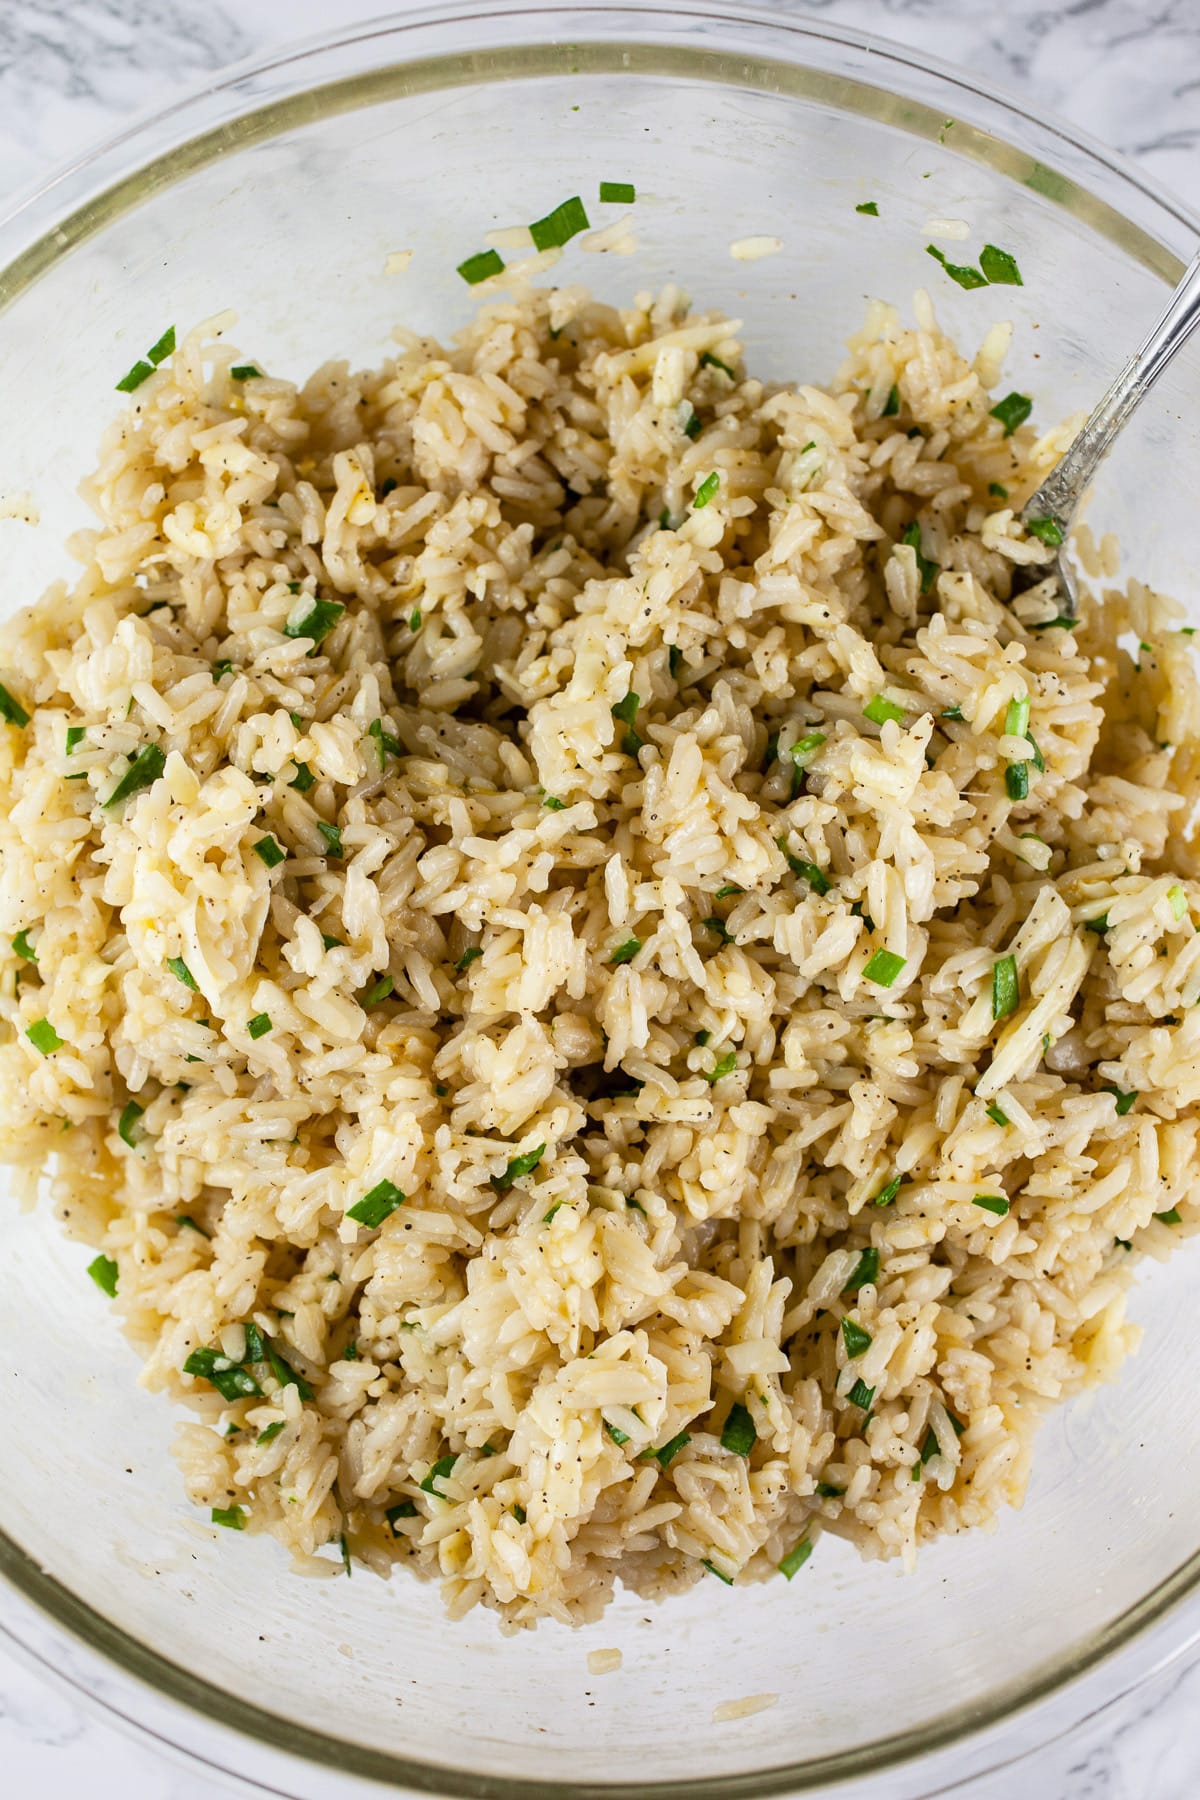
(1060, 493)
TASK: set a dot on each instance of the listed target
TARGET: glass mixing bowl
(281, 191)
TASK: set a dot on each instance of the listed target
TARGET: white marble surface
(1128, 72)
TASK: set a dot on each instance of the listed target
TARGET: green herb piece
(1177, 899)
(377, 992)
(314, 619)
(405, 1509)
(131, 1112)
(1050, 532)
(552, 803)
(23, 947)
(1000, 267)
(1039, 761)
(230, 1380)
(442, 1467)
(892, 404)
(43, 1037)
(1124, 1101)
(1170, 1218)
(993, 1203)
(1006, 987)
(626, 952)
(669, 1451)
(808, 871)
(1016, 719)
(477, 268)
(284, 1373)
(618, 1436)
(519, 1514)
(888, 1193)
(857, 1341)
(1060, 623)
(799, 1554)
(377, 1205)
(617, 193)
(232, 1517)
(626, 711)
(706, 490)
(330, 942)
(865, 1271)
(75, 735)
(142, 772)
(103, 1271)
(1099, 924)
(519, 1166)
(415, 619)
(997, 490)
(709, 361)
(221, 669)
(861, 1395)
(256, 1349)
(884, 967)
(856, 912)
(269, 851)
(344, 1544)
(350, 1353)
(471, 954)
(805, 748)
(133, 378)
(718, 928)
(244, 372)
(182, 973)
(926, 568)
(964, 275)
(560, 226)
(270, 1431)
(1012, 411)
(702, 1038)
(1016, 781)
(689, 420)
(719, 1573)
(739, 1434)
(869, 207)
(828, 1491)
(880, 709)
(333, 837)
(725, 1065)
(675, 661)
(953, 712)
(305, 779)
(996, 1114)
(187, 1219)
(259, 1025)
(730, 887)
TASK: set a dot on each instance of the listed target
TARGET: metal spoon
(1050, 512)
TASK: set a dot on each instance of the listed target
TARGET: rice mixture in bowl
(611, 999)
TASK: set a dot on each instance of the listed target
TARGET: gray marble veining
(1128, 73)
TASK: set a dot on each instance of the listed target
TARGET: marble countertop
(1128, 72)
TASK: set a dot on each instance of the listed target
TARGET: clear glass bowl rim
(346, 70)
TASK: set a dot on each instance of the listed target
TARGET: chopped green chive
(1006, 987)
(1000, 267)
(22, 947)
(231, 1381)
(953, 712)
(1016, 781)
(1124, 1101)
(1012, 411)
(477, 268)
(1050, 532)
(333, 837)
(627, 951)
(706, 490)
(718, 928)
(926, 569)
(739, 1434)
(626, 711)
(725, 1065)
(103, 1271)
(469, 955)
(996, 1114)
(142, 772)
(856, 1340)
(861, 1395)
(442, 1467)
(330, 942)
(869, 207)
(1177, 899)
(519, 1166)
(993, 1203)
(270, 1431)
(377, 992)
(884, 967)
(187, 1220)
(221, 669)
(689, 420)
(617, 193)
(232, 1517)
(730, 887)
(865, 1271)
(997, 490)
(1016, 719)
(244, 372)
(799, 1554)
(256, 1350)
(1170, 1218)
(313, 619)
(552, 803)
(702, 1038)
(75, 735)
(669, 1451)
(892, 404)
(284, 1373)
(377, 1205)
(305, 779)
(709, 361)
(805, 748)
(880, 709)
(415, 620)
(43, 1037)
(159, 352)
(182, 973)
(560, 226)
(816, 878)
(719, 1573)
(269, 851)
(133, 378)
(963, 274)
(259, 1025)
(406, 1509)
(828, 1490)
(127, 1124)
(888, 1193)
(1060, 623)
(618, 1436)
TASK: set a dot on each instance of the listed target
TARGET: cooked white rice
(572, 952)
